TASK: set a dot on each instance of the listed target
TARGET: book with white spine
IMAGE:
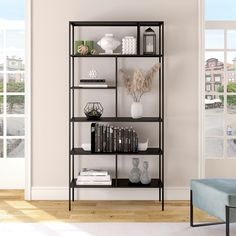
(93, 183)
(93, 172)
(95, 178)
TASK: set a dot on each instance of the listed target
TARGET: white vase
(136, 110)
(108, 43)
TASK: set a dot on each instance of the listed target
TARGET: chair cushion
(212, 195)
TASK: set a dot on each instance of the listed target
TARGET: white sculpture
(143, 146)
(108, 43)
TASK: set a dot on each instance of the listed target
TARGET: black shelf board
(118, 119)
(121, 183)
(117, 55)
(149, 151)
(116, 23)
(109, 87)
(125, 183)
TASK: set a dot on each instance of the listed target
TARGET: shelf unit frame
(76, 151)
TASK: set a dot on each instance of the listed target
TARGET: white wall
(50, 94)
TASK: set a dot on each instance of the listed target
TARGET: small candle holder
(149, 42)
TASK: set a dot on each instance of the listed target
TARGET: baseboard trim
(61, 193)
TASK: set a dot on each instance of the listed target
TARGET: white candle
(150, 47)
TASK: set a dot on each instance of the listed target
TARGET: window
(220, 64)
(12, 79)
(208, 87)
(217, 78)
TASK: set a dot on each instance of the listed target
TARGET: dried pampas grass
(140, 83)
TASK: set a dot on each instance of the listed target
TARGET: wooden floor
(13, 208)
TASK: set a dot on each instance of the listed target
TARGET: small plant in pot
(136, 86)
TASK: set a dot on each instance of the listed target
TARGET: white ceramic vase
(136, 110)
(108, 43)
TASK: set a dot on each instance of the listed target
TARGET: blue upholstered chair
(217, 197)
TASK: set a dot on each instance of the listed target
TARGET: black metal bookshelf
(74, 150)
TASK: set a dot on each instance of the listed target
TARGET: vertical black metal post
(73, 114)
(160, 116)
(227, 220)
(116, 172)
(69, 116)
(163, 61)
(138, 39)
(116, 75)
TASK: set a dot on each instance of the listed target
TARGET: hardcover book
(94, 178)
(111, 140)
(93, 137)
(93, 183)
(108, 139)
(96, 137)
(92, 80)
(104, 136)
(99, 138)
(114, 139)
(92, 172)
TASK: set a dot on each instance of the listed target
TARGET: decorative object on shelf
(89, 44)
(108, 43)
(149, 42)
(139, 84)
(143, 146)
(129, 45)
(135, 173)
(93, 74)
(92, 81)
(136, 110)
(93, 110)
(83, 50)
(86, 146)
(145, 178)
(84, 47)
(77, 44)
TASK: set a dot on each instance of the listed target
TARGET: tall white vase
(136, 110)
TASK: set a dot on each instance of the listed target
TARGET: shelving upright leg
(69, 117)
(162, 106)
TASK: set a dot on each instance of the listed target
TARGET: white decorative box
(129, 45)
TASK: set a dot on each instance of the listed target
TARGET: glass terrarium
(93, 110)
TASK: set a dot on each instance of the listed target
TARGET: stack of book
(106, 138)
(92, 83)
(93, 177)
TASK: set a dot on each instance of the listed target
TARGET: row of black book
(107, 138)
